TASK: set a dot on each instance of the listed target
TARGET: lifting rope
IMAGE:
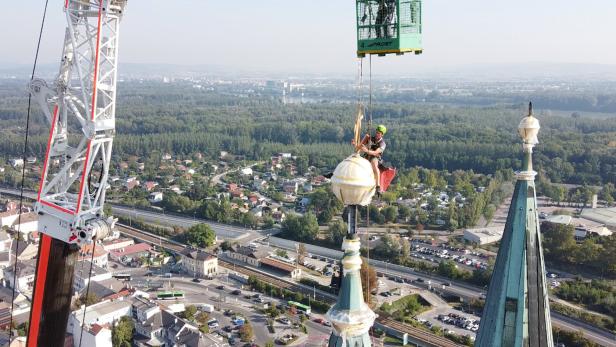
(23, 168)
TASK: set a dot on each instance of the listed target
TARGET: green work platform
(388, 26)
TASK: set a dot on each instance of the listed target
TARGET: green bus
(170, 295)
(300, 307)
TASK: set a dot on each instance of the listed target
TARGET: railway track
(423, 336)
(418, 334)
(178, 247)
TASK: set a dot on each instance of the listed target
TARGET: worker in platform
(373, 148)
(384, 17)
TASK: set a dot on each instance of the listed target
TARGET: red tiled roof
(278, 264)
(95, 329)
(136, 248)
(87, 250)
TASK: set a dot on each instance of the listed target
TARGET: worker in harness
(373, 148)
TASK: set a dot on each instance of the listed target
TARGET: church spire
(516, 311)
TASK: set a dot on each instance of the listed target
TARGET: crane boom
(80, 108)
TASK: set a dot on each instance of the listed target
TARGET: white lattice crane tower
(80, 106)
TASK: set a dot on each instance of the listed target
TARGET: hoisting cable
(85, 306)
(23, 169)
(370, 93)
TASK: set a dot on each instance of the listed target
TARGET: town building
(83, 274)
(248, 255)
(158, 327)
(102, 314)
(482, 236)
(100, 256)
(95, 335)
(286, 268)
(198, 263)
(16, 162)
(24, 280)
(5, 241)
(27, 223)
(155, 197)
(131, 255)
(119, 243)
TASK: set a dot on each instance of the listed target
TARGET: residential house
(278, 216)
(16, 162)
(155, 197)
(34, 237)
(319, 180)
(103, 314)
(131, 254)
(5, 315)
(247, 171)
(131, 183)
(100, 254)
(27, 223)
(23, 250)
(164, 328)
(9, 205)
(24, 281)
(86, 272)
(148, 323)
(166, 156)
(5, 241)
(117, 244)
(21, 304)
(5, 261)
(199, 263)
(7, 218)
(260, 185)
(290, 187)
(105, 289)
(94, 335)
(149, 185)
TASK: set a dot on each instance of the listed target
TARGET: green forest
(153, 118)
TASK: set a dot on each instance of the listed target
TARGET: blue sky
(319, 35)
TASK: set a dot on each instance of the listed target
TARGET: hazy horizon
(319, 36)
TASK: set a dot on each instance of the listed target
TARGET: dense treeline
(594, 254)
(182, 120)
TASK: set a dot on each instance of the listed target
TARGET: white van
(207, 308)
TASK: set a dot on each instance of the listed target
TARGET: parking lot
(451, 320)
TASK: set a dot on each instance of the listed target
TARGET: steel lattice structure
(80, 107)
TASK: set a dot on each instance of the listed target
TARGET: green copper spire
(517, 310)
(350, 316)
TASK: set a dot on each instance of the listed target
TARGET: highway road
(223, 231)
(227, 232)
